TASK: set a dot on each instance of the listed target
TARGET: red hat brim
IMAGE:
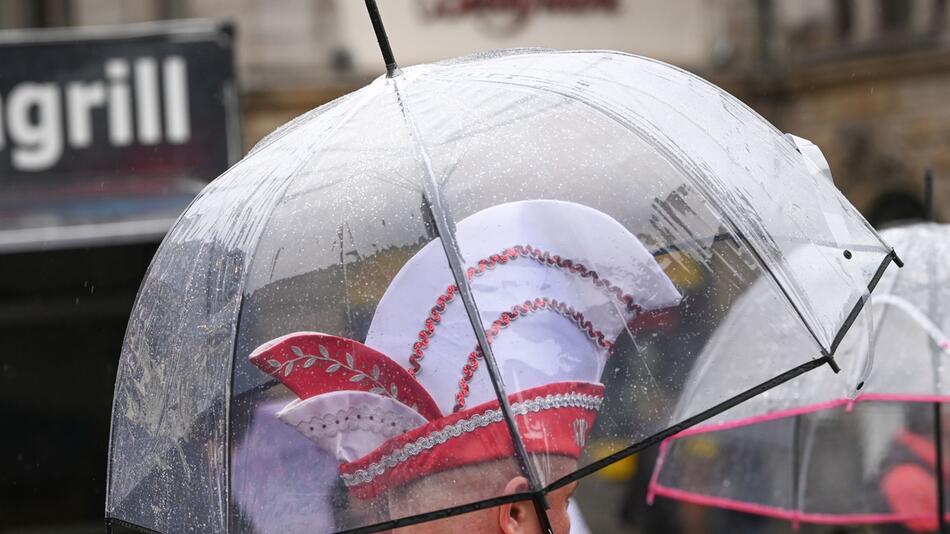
(554, 419)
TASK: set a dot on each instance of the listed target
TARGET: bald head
(483, 481)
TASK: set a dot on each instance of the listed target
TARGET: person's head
(413, 416)
(500, 477)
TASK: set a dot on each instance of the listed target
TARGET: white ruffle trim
(464, 426)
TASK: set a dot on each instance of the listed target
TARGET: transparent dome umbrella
(454, 279)
(855, 449)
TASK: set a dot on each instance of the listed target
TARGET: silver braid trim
(465, 426)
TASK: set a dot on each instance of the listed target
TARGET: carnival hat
(555, 284)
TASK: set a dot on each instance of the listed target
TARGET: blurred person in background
(908, 483)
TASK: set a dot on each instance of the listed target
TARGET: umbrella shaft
(381, 36)
(938, 446)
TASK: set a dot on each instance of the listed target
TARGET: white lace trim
(387, 423)
(464, 426)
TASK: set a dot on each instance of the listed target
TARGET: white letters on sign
(38, 120)
(37, 140)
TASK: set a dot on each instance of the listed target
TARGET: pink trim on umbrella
(655, 488)
(781, 513)
(802, 410)
(654, 478)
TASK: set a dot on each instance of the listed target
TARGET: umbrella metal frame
(794, 514)
(537, 494)
(938, 407)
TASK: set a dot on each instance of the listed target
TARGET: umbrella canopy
(455, 278)
(822, 449)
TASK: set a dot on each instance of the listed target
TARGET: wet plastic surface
(857, 448)
(582, 220)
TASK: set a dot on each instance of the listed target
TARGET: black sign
(106, 134)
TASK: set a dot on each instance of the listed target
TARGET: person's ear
(517, 517)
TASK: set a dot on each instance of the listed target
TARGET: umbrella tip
(833, 364)
(391, 67)
(897, 260)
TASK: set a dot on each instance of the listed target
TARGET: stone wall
(880, 121)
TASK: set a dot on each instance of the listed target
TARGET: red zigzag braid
(509, 254)
(506, 318)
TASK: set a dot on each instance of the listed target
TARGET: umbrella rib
(688, 422)
(829, 352)
(796, 468)
(932, 330)
(727, 219)
(445, 227)
(344, 118)
(935, 364)
(439, 514)
(340, 122)
(859, 305)
(111, 521)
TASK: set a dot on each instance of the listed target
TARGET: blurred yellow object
(618, 471)
(368, 280)
(702, 448)
(682, 270)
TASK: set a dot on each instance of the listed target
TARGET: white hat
(555, 283)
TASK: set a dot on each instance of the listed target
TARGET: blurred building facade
(866, 80)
